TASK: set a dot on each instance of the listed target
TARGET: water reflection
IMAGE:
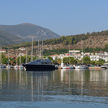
(45, 86)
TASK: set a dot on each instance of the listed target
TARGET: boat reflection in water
(68, 85)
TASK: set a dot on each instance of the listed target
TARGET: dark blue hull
(33, 67)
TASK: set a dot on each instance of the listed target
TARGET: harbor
(53, 54)
(60, 88)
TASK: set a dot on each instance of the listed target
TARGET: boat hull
(67, 67)
(81, 67)
(32, 67)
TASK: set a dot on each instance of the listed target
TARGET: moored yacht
(39, 65)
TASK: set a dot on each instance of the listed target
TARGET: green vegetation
(55, 51)
(96, 49)
(65, 40)
(70, 60)
(13, 61)
(67, 60)
(86, 60)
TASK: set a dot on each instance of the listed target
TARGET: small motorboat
(81, 67)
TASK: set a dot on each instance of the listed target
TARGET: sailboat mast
(38, 48)
(0, 57)
(26, 55)
(82, 52)
(16, 59)
(69, 54)
(42, 49)
(32, 51)
(20, 60)
(8, 56)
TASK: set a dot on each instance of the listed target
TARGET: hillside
(88, 40)
(81, 41)
(7, 38)
(26, 30)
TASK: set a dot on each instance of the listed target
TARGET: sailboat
(20, 66)
(1, 65)
(66, 66)
(40, 64)
(16, 66)
(8, 66)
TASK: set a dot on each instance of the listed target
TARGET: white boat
(16, 67)
(67, 66)
(105, 66)
(20, 67)
(8, 67)
(81, 67)
(2, 66)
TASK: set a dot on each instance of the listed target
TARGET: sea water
(54, 89)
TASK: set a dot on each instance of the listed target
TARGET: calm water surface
(54, 89)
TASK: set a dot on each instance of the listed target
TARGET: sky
(65, 17)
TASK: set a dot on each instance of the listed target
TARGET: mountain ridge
(28, 30)
(8, 38)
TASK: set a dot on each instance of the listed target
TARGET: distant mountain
(27, 30)
(8, 38)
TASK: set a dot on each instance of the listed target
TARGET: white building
(2, 51)
(94, 57)
(74, 52)
(22, 49)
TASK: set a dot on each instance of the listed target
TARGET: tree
(100, 62)
(59, 61)
(93, 62)
(86, 60)
(4, 59)
(50, 58)
(69, 60)
(65, 60)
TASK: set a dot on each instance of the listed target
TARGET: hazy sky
(64, 17)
